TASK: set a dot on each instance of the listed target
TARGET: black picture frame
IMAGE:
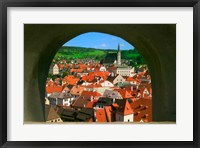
(4, 4)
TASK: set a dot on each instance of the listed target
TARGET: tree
(50, 75)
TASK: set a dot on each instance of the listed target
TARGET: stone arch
(155, 42)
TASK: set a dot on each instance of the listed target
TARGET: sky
(99, 40)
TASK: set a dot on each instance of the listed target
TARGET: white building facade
(125, 71)
(124, 118)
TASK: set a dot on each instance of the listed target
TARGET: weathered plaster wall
(157, 44)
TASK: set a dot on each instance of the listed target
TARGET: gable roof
(124, 93)
(55, 88)
(90, 93)
(54, 95)
(82, 101)
(85, 114)
(130, 79)
(103, 101)
(101, 115)
(91, 104)
(111, 78)
(108, 111)
(142, 109)
(124, 107)
(68, 114)
(112, 94)
(50, 113)
(77, 90)
(64, 95)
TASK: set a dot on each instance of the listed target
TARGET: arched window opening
(90, 67)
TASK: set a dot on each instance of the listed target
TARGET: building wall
(119, 79)
(53, 101)
(112, 94)
(101, 90)
(127, 118)
(47, 102)
(55, 120)
(123, 72)
(55, 69)
(107, 84)
(119, 117)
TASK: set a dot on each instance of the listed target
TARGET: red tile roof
(88, 78)
(109, 115)
(76, 70)
(70, 80)
(124, 108)
(84, 102)
(61, 66)
(91, 104)
(93, 85)
(103, 74)
(77, 90)
(90, 93)
(101, 115)
(130, 79)
(142, 109)
(51, 89)
(124, 93)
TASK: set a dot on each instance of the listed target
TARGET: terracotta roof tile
(142, 109)
(124, 107)
(101, 115)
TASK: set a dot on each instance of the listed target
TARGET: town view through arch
(98, 77)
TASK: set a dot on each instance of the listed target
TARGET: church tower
(118, 55)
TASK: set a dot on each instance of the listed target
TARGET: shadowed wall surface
(156, 43)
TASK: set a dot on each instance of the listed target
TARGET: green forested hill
(80, 53)
(69, 53)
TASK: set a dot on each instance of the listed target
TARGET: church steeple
(118, 55)
(118, 47)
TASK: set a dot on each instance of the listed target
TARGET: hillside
(70, 53)
(80, 53)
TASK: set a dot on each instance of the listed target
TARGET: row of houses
(101, 96)
(82, 68)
